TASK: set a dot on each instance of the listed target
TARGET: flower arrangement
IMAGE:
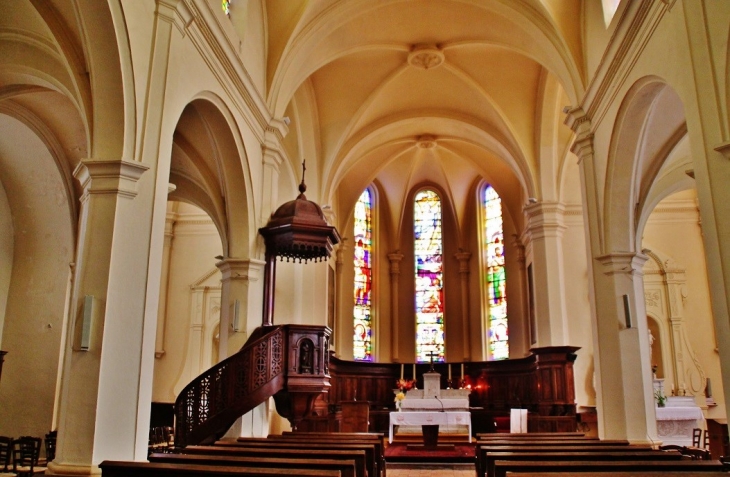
(405, 384)
(660, 398)
(399, 399)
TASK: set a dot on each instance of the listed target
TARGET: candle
(708, 389)
(708, 381)
(401, 370)
(414, 371)
(462, 370)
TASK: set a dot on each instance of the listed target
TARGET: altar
(425, 410)
(450, 420)
(677, 419)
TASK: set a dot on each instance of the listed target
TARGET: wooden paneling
(542, 383)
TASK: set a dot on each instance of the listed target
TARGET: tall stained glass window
(362, 341)
(429, 277)
(497, 336)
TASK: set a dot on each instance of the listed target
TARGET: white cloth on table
(426, 418)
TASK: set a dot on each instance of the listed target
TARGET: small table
(428, 418)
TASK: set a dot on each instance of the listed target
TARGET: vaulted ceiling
(408, 92)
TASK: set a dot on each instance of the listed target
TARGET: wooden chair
(705, 440)
(6, 452)
(50, 442)
(696, 436)
(26, 451)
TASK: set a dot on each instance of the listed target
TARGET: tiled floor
(441, 470)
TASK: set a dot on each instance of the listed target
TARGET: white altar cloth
(429, 404)
(675, 423)
(425, 418)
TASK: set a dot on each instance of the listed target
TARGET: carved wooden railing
(212, 402)
(288, 362)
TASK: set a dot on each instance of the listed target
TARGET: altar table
(426, 418)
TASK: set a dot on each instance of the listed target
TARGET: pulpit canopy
(299, 230)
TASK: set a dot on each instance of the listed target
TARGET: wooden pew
(366, 435)
(501, 467)
(483, 449)
(346, 467)
(557, 442)
(337, 437)
(623, 474)
(533, 435)
(364, 465)
(154, 469)
(492, 457)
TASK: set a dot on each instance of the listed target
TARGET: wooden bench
(483, 449)
(156, 469)
(336, 437)
(533, 435)
(621, 474)
(363, 462)
(492, 457)
(558, 442)
(346, 467)
(501, 467)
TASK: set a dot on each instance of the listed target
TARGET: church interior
(528, 197)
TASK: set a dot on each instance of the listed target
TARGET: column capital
(109, 176)
(395, 259)
(463, 258)
(545, 219)
(628, 263)
(241, 269)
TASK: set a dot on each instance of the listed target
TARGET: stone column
(620, 294)
(624, 396)
(546, 229)
(337, 336)
(99, 400)
(707, 128)
(463, 258)
(164, 282)
(273, 156)
(395, 259)
(241, 292)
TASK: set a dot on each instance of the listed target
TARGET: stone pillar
(546, 229)
(395, 259)
(620, 295)
(463, 258)
(241, 292)
(273, 156)
(164, 282)
(339, 306)
(707, 129)
(99, 400)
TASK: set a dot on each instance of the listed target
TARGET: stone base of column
(55, 468)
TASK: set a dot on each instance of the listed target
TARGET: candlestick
(414, 371)
(401, 370)
(708, 381)
(462, 370)
(708, 390)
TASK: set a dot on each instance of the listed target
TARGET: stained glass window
(497, 329)
(226, 5)
(362, 341)
(429, 277)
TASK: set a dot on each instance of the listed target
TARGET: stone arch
(209, 168)
(649, 124)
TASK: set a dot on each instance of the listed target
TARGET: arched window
(429, 277)
(497, 329)
(362, 313)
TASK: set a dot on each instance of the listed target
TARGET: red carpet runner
(459, 453)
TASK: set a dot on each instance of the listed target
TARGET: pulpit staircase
(288, 362)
